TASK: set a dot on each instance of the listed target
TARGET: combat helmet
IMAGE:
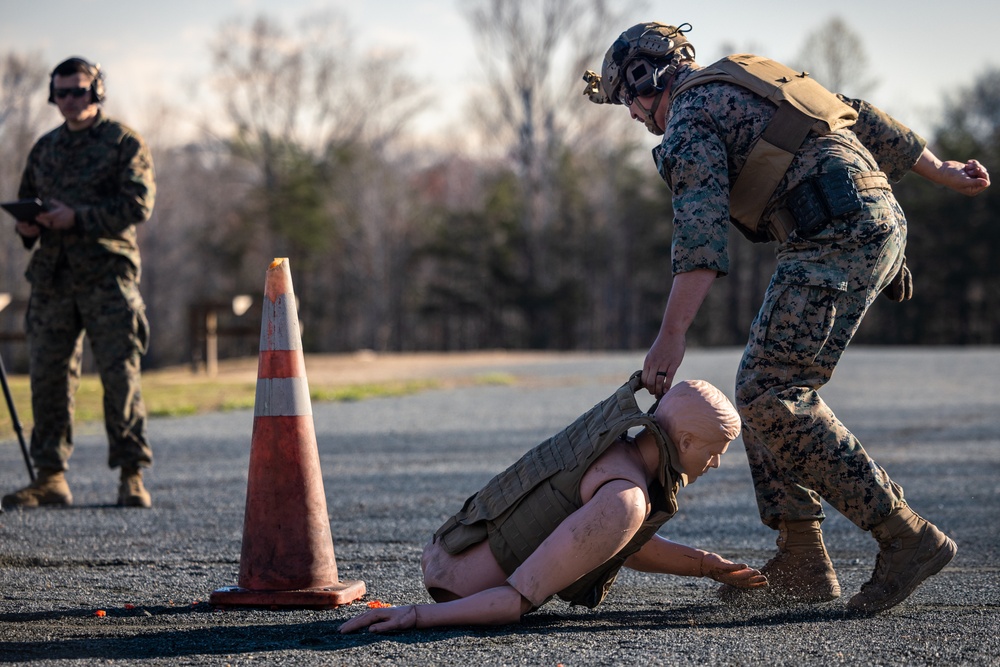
(640, 63)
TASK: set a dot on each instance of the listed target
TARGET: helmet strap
(650, 120)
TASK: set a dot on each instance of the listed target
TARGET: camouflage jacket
(710, 131)
(105, 173)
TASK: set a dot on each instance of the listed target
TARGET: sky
(918, 50)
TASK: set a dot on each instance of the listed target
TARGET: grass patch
(178, 396)
(496, 379)
(360, 392)
(198, 396)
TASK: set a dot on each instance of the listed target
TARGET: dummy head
(701, 422)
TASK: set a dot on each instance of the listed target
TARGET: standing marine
(95, 178)
(749, 142)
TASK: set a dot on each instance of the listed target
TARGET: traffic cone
(287, 558)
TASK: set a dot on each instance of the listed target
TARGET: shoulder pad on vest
(777, 83)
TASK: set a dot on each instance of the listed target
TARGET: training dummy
(518, 541)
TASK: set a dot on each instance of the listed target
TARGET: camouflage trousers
(799, 451)
(112, 314)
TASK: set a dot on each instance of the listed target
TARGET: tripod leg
(15, 421)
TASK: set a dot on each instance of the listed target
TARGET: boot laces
(882, 563)
(776, 561)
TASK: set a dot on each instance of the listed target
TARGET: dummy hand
(59, 216)
(724, 571)
(388, 619)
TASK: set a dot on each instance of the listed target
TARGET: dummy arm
(662, 556)
(494, 606)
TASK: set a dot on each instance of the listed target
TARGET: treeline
(554, 233)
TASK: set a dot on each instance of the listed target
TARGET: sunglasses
(77, 92)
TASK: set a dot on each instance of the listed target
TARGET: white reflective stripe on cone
(282, 397)
(280, 328)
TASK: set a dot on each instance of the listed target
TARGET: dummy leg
(450, 577)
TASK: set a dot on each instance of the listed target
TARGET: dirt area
(370, 367)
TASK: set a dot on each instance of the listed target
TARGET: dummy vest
(803, 105)
(521, 506)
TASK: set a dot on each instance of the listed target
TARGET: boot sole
(943, 556)
(134, 502)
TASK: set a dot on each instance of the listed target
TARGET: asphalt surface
(395, 468)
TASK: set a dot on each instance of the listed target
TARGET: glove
(900, 288)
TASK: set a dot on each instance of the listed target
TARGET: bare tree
(835, 56)
(319, 124)
(308, 86)
(23, 91)
(533, 55)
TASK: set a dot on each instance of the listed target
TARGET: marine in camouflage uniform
(824, 282)
(821, 288)
(85, 279)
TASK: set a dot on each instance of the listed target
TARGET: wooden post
(211, 342)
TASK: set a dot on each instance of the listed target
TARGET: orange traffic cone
(287, 558)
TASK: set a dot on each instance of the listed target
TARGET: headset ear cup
(97, 86)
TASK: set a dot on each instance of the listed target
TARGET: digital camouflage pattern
(895, 146)
(106, 174)
(87, 279)
(798, 450)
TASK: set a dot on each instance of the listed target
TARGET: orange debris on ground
(100, 613)
(378, 604)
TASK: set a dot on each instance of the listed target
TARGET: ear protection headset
(72, 66)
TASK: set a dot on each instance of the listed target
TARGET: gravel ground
(394, 469)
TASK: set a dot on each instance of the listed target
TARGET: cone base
(327, 597)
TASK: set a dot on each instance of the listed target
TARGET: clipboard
(24, 210)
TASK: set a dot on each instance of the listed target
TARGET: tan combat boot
(48, 489)
(131, 492)
(801, 571)
(910, 550)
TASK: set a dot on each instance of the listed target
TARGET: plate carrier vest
(803, 106)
